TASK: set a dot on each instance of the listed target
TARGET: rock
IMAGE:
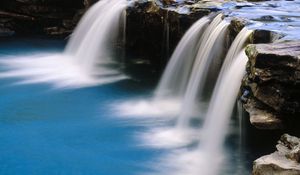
(88, 3)
(261, 117)
(265, 36)
(272, 81)
(154, 27)
(285, 161)
(57, 31)
(280, 61)
(236, 25)
(37, 16)
(6, 32)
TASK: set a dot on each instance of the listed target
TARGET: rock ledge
(285, 161)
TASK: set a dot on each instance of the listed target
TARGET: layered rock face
(285, 161)
(53, 17)
(271, 87)
(154, 28)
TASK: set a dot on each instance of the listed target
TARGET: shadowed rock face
(54, 17)
(272, 84)
(154, 28)
(284, 161)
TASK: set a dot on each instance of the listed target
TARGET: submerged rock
(285, 161)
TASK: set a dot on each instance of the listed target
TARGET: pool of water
(46, 131)
(78, 131)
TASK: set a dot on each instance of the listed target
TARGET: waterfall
(212, 39)
(225, 93)
(92, 38)
(87, 59)
(220, 110)
(173, 83)
(175, 77)
(222, 102)
(206, 157)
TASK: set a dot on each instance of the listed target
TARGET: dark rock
(284, 161)
(261, 116)
(38, 16)
(153, 30)
(264, 36)
(272, 81)
(277, 61)
(6, 32)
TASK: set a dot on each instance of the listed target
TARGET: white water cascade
(87, 59)
(225, 93)
(93, 37)
(174, 79)
(207, 158)
(210, 50)
(176, 75)
(219, 112)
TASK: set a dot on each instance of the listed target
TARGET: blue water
(73, 132)
(47, 131)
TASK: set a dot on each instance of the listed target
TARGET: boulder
(272, 81)
(284, 161)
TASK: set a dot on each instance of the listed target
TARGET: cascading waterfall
(175, 77)
(220, 111)
(87, 59)
(212, 39)
(226, 90)
(94, 34)
(225, 93)
(198, 160)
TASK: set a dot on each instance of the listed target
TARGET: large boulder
(272, 84)
(284, 161)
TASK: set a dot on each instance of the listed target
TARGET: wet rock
(37, 16)
(272, 81)
(155, 27)
(88, 3)
(236, 25)
(285, 161)
(6, 32)
(261, 116)
(265, 36)
(277, 61)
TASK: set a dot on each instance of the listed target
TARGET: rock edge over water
(284, 161)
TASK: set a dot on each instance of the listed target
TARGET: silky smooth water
(88, 59)
(46, 131)
(76, 131)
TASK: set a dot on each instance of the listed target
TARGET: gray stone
(285, 161)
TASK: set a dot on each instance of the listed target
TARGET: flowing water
(94, 36)
(65, 131)
(213, 39)
(82, 129)
(175, 77)
(87, 59)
